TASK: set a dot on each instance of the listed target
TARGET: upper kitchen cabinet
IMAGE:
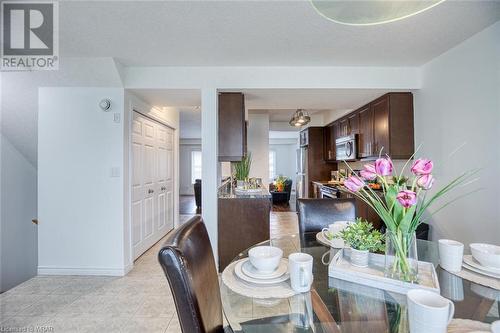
(393, 125)
(386, 123)
(232, 127)
(353, 123)
(365, 137)
(330, 137)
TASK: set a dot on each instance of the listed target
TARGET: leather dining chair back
(188, 263)
(316, 214)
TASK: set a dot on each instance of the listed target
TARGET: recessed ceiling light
(371, 12)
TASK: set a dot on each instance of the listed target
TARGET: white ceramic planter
(359, 258)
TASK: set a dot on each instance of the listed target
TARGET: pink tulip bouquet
(401, 205)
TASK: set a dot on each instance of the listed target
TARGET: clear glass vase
(401, 260)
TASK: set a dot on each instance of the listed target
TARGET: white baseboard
(53, 270)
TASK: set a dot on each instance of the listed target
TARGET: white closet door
(152, 189)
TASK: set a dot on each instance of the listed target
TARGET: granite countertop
(226, 191)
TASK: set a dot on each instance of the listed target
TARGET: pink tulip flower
(425, 181)
(407, 198)
(383, 166)
(354, 183)
(368, 173)
(422, 166)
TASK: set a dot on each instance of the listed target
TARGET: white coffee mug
(451, 255)
(300, 268)
(428, 312)
(334, 230)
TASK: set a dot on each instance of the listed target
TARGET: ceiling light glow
(371, 12)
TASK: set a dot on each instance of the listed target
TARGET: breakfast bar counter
(243, 220)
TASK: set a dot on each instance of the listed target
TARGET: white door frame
(136, 108)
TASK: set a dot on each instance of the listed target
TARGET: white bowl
(265, 258)
(487, 254)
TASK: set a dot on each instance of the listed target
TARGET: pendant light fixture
(300, 118)
(371, 12)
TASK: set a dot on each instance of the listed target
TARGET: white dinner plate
(469, 260)
(252, 272)
(480, 271)
(239, 273)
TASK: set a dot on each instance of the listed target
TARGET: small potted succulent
(362, 239)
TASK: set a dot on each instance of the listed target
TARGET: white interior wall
(286, 158)
(258, 145)
(80, 202)
(18, 206)
(459, 107)
(78, 148)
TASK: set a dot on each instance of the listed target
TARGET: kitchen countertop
(233, 195)
(226, 191)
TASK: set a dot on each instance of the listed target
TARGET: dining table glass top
(335, 305)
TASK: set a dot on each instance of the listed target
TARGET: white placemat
(468, 326)
(279, 290)
(478, 278)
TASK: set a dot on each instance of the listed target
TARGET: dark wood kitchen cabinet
(393, 125)
(380, 125)
(344, 127)
(353, 123)
(329, 133)
(386, 122)
(365, 137)
(232, 127)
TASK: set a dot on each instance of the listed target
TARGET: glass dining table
(334, 306)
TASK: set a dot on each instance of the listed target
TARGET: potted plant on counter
(362, 239)
(242, 170)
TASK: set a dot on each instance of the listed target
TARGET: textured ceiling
(260, 33)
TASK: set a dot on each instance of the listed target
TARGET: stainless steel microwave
(346, 148)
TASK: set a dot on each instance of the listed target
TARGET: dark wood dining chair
(316, 214)
(188, 263)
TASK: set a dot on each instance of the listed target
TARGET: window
(195, 165)
(272, 164)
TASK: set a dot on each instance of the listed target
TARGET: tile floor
(138, 302)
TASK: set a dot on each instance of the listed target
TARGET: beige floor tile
(139, 302)
(23, 323)
(174, 326)
(150, 325)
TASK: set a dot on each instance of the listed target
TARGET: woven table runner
(468, 326)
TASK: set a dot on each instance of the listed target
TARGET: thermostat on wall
(105, 104)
